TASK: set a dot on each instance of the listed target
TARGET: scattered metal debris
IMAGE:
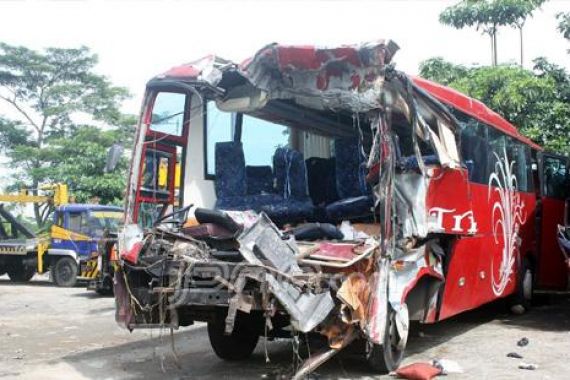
(447, 366)
(523, 342)
(528, 366)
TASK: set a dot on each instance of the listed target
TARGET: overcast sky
(136, 40)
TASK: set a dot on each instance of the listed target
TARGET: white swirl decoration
(507, 216)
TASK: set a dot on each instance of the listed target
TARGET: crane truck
(68, 251)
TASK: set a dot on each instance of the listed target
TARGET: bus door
(156, 183)
(165, 142)
(554, 180)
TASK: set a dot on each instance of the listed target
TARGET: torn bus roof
(289, 58)
(338, 76)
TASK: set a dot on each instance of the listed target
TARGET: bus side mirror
(113, 156)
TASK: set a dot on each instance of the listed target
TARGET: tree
(48, 92)
(489, 15)
(536, 101)
(86, 177)
(564, 25)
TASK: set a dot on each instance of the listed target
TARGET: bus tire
(239, 345)
(64, 272)
(520, 301)
(20, 273)
(386, 357)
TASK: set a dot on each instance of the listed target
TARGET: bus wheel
(520, 301)
(64, 272)
(384, 358)
(20, 273)
(240, 344)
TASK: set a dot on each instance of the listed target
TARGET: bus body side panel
(480, 267)
(552, 271)
(449, 203)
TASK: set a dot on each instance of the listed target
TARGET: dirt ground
(55, 333)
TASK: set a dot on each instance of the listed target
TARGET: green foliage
(79, 160)
(439, 70)
(536, 101)
(54, 94)
(488, 15)
(564, 24)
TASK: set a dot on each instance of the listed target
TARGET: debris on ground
(19, 354)
(528, 366)
(447, 366)
(514, 355)
(418, 371)
(523, 342)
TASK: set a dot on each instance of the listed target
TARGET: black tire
(521, 300)
(20, 273)
(384, 358)
(64, 272)
(239, 345)
(106, 288)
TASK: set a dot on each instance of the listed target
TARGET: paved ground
(53, 333)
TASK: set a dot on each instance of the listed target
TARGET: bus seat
(321, 180)
(355, 197)
(290, 205)
(230, 170)
(259, 180)
(231, 184)
(291, 184)
(411, 162)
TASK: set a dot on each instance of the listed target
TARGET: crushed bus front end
(281, 261)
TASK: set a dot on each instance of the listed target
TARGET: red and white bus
(322, 191)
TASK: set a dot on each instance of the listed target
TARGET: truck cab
(75, 234)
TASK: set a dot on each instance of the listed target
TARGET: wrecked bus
(324, 192)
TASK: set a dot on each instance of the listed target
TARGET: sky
(136, 40)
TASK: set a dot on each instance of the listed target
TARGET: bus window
(517, 155)
(219, 128)
(496, 150)
(148, 213)
(474, 150)
(555, 177)
(168, 113)
(260, 139)
(155, 178)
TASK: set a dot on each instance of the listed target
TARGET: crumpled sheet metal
(413, 265)
(306, 309)
(321, 78)
(410, 191)
(375, 322)
(382, 154)
(354, 293)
